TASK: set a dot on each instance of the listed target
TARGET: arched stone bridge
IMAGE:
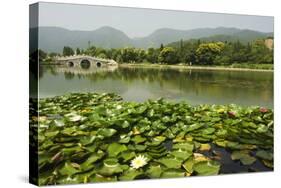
(85, 61)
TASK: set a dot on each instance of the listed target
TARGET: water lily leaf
(173, 173)
(127, 155)
(267, 163)
(239, 154)
(170, 162)
(188, 165)
(138, 139)
(59, 123)
(209, 130)
(154, 171)
(185, 146)
(193, 127)
(151, 113)
(221, 143)
(130, 174)
(141, 109)
(238, 146)
(100, 178)
(106, 132)
(248, 160)
(114, 149)
(264, 155)
(74, 117)
(140, 147)
(199, 157)
(110, 167)
(205, 147)
(243, 156)
(124, 139)
(93, 158)
(51, 133)
(262, 128)
(68, 169)
(205, 168)
(181, 154)
(156, 141)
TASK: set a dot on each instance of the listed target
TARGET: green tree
(129, 55)
(78, 51)
(53, 54)
(168, 56)
(152, 55)
(161, 47)
(207, 52)
(42, 55)
(67, 51)
(91, 51)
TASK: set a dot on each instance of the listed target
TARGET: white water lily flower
(75, 118)
(138, 162)
(118, 107)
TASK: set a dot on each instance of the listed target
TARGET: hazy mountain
(52, 39)
(216, 38)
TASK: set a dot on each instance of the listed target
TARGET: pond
(139, 84)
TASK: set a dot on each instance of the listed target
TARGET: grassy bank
(234, 67)
(88, 137)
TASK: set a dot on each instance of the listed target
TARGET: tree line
(193, 52)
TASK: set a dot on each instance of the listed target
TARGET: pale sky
(138, 22)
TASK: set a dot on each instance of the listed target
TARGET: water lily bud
(231, 114)
(263, 110)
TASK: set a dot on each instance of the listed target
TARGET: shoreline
(186, 67)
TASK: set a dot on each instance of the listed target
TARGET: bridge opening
(85, 64)
(70, 64)
(98, 64)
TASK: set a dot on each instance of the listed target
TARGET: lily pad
(138, 139)
(106, 132)
(154, 171)
(114, 149)
(205, 168)
(130, 174)
(266, 155)
(170, 162)
(186, 146)
(243, 156)
(188, 165)
(205, 147)
(173, 173)
(181, 154)
(110, 167)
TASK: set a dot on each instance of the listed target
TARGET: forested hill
(224, 38)
(53, 39)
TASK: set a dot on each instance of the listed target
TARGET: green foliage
(78, 51)
(207, 52)
(42, 55)
(67, 51)
(95, 137)
(253, 55)
(168, 55)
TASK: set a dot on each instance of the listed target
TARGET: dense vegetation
(88, 137)
(191, 52)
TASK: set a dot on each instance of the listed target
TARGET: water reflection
(139, 84)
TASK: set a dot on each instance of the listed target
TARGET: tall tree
(78, 51)
(168, 56)
(67, 51)
(207, 52)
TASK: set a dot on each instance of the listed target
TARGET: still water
(139, 84)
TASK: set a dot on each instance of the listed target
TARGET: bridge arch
(85, 64)
(70, 64)
(98, 64)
